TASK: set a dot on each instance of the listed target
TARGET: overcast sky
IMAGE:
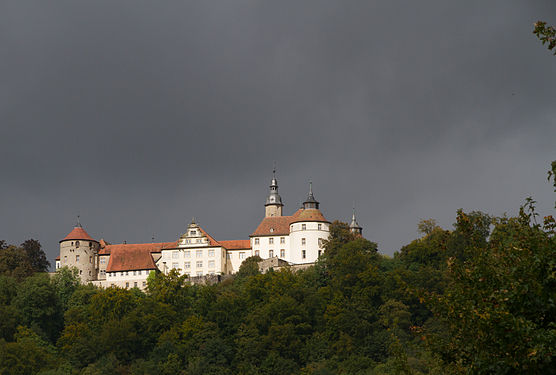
(140, 115)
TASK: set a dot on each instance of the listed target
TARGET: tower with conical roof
(80, 250)
(354, 226)
(273, 205)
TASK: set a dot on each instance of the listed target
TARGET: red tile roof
(308, 214)
(130, 257)
(281, 224)
(154, 247)
(236, 244)
(212, 241)
(78, 233)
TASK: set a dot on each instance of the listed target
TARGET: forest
(478, 298)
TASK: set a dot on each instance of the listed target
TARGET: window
(193, 233)
(89, 273)
(199, 253)
(257, 253)
(188, 241)
(187, 265)
(282, 239)
(271, 241)
(71, 243)
(76, 243)
(174, 255)
(77, 258)
(303, 241)
(144, 284)
(127, 273)
(211, 263)
(102, 260)
(229, 255)
(134, 273)
(103, 273)
(199, 264)
(320, 252)
(303, 254)
(198, 240)
(320, 226)
(282, 253)
(303, 226)
(242, 255)
(270, 253)
(65, 258)
(175, 265)
(139, 272)
(256, 241)
(199, 273)
(121, 273)
(127, 284)
(187, 254)
(135, 284)
(80, 272)
(90, 244)
(211, 253)
(90, 259)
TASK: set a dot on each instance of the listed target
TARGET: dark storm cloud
(140, 115)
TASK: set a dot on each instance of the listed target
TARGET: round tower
(273, 206)
(80, 250)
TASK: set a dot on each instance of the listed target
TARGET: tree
(499, 308)
(546, 34)
(15, 262)
(35, 254)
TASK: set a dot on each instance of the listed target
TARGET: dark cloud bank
(140, 115)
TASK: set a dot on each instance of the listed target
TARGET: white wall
(311, 234)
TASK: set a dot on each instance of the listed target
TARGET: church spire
(354, 226)
(273, 205)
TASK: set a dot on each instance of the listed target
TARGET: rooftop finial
(310, 187)
(193, 220)
(152, 239)
(274, 169)
(78, 224)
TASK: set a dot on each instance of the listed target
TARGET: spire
(273, 205)
(311, 202)
(78, 224)
(354, 226)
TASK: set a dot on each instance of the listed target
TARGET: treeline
(479, 298)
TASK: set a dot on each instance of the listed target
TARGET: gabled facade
(297, 239)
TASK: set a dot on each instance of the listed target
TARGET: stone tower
(80, 250)
(273, 206)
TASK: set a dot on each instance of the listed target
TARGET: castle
(296, 240)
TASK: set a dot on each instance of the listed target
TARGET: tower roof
(78, 233)
(354, 225)
(273, 196)
(311, 202)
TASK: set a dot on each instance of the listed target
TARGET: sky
(139, 115)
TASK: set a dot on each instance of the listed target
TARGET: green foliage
(35, 254)
(546, 34)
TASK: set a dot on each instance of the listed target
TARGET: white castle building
(297, 239)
